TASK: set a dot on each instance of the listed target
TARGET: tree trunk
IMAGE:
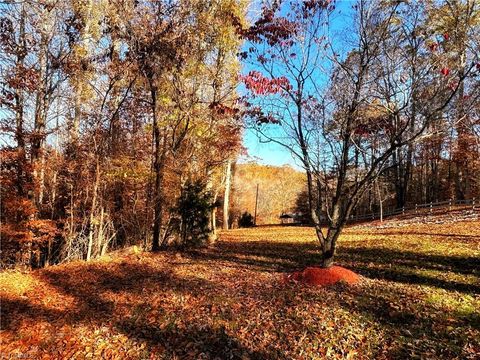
(158, 208)
(327, 259)
(462, 147)
(19, 107)
(77, 114)
(226, 196)
(214, 218)
(159, 165)
(212, 233)
(100, 234)
(40, 116)
(328, 245)
(92, 212)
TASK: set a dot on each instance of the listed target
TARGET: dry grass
(419, 297)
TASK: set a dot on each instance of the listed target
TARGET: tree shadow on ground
(380, 263)
(198, 341)
(393, 307)
(412, 267)
(14, 309)
(89, 286)
(261, 255)
(98, 291)
(415, 328)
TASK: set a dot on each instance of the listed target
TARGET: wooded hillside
(278, 191)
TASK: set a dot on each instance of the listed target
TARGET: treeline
(283, 189)
(118, 119)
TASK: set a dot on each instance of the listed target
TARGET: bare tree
(344, 109)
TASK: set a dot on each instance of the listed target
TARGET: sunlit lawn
(419, 297)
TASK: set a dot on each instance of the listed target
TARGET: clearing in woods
(418, 297)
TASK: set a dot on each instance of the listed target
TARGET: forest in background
(278, 191)
(121, 121)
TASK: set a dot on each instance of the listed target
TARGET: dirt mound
(322, 277)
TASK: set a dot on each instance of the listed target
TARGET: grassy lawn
(419, 297)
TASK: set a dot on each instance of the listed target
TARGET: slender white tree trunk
(226, 196)
(92, 212)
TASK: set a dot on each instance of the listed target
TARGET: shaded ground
(419, 297)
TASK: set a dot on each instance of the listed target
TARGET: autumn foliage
(108, 110)
(23, 235)
(323, 277)
(261, 85)
(122, 127)
(229, 301)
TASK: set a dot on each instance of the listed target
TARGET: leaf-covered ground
(419, 297)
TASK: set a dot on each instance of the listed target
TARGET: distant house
(291, 218)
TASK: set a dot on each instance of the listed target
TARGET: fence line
(418, 208)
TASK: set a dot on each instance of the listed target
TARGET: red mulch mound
(322, 277)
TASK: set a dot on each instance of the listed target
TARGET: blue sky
(275, 154)
(266, 153)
